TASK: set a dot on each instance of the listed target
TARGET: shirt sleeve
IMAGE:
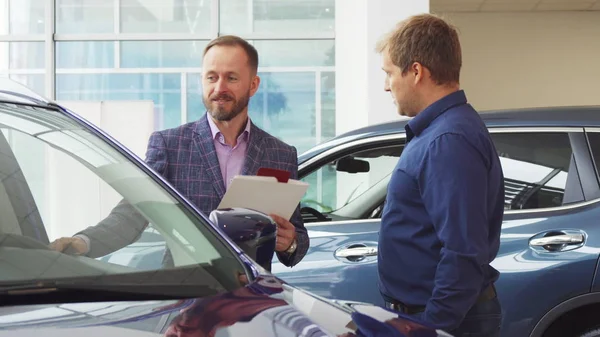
(86, 240)
(454, 185)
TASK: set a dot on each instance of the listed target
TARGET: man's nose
(221, 86)
(386, 85)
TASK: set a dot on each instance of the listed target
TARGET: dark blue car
(550, 246)
(185, 276)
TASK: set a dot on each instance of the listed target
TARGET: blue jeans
(483, 320)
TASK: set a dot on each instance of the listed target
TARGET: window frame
(588, 179)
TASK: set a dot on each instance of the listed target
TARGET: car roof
(565, 116)
(12, 91)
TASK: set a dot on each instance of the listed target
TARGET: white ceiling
(513, 5)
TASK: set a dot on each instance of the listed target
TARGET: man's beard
(222, 113)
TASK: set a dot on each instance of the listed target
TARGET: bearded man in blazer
(201, 158)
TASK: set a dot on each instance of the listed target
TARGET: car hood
(265, 307)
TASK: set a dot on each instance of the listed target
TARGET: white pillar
(359, 24)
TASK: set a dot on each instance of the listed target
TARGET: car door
(548, 248)
(341, 210)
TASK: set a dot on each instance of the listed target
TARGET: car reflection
(377, 321)
(273, 308)
(205, 317)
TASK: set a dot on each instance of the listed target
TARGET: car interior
(369, 203)
(550, 156)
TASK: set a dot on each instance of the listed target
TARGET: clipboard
(271, 191)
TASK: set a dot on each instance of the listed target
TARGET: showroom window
(152, 50)
(536, 167)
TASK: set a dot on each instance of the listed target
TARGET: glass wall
(152, 49)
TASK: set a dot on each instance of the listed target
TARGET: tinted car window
(594, 139)
(536, 167)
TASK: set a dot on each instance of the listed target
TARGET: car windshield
(60, 179)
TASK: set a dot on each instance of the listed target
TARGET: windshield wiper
(69, 292)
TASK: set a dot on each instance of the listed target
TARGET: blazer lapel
(208, 155)
(254, 151)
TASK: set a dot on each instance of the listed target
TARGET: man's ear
(418, 71)
(254, 85)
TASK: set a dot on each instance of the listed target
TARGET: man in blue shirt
(441, 222)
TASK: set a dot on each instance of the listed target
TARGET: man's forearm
(123, 226)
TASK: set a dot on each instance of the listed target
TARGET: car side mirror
(352, 165)
(254, 232)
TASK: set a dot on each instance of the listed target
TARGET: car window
(536, 167)
(594, 140)
(344, 179)
(58, 179)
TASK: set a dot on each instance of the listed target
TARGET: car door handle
(356, 252)
(562, 239)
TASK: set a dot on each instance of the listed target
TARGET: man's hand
(243, 279)
(77, 245)
(286, 233)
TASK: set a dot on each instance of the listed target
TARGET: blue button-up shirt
(441, 222)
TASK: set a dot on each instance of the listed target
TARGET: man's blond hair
(428, 40)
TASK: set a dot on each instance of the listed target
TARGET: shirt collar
(421, 121)
(216, 133)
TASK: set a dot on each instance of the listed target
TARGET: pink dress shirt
(231, 159)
